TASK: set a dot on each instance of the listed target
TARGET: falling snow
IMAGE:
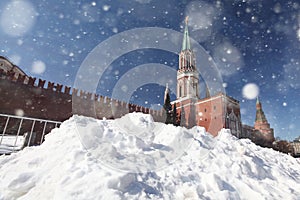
(38, 67)
(17, 18)
(249, 41)
(250, 91)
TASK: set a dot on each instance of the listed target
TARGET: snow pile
(70, 166)
(10, 143)
(134, 143)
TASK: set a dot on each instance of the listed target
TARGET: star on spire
(186, 20)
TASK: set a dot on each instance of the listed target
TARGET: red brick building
(213, 112)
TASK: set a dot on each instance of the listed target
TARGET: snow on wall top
(131, 158)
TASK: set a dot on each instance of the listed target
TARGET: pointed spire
(186, 39)
(257, 100)
(207, 92)
(167, 95)
(258, 104)
(260, 115)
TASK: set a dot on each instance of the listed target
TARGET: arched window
(188, 58)
(181, 62)
(180, 90)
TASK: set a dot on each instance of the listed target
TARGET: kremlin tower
(187, 74)
(261, 124)
(215, 111)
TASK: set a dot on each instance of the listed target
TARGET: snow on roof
(131, 158)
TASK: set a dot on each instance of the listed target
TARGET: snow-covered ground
(10, 143)
(99, 164)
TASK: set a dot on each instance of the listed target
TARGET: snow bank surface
(9, 143)
(136, 158)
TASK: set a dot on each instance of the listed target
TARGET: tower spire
(186, 45)
(260, 115)
(207, 92)
(166, 93)
(257, 100)
(187, 75)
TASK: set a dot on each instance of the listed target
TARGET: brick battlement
(53, 101)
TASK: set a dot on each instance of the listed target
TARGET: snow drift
(100, 164)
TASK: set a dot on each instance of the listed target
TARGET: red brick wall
(46, 100)
(212, 115)
(209, 112)
(34, 101)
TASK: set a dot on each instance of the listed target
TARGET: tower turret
(262, 125)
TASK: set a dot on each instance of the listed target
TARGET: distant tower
(187, 74)
(207, 95)
(262, 125)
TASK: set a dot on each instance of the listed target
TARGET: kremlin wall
(48, 100)
(25, 96)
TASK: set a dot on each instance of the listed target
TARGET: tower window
(180, 91)
(181, 62)
(204, 109)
